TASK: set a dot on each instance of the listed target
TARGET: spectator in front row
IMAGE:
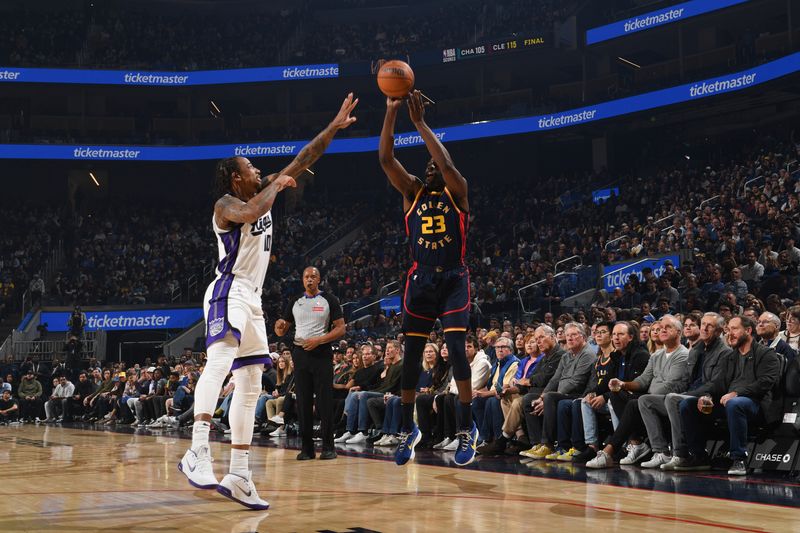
(365, 378)
(571, 439)
(791, 335)
(512, 393)
(756, 371)
(568, 382)
(388, 381)
(768, 327)
(503, 372)
(9, 410)
(57, 402)
(480, 367)
(628, 361)
(549, 360)
(708, 376)
(666, 372)
(30, 397)
(74, 404)
(691, 329)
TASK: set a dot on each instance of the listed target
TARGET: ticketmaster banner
(168, 79)
(127, 320)
(623, 271)
(477, 130)
(653, 19)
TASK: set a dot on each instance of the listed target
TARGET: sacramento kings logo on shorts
(215, 326)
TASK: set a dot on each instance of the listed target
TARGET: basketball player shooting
(437, 286)
(236, 334)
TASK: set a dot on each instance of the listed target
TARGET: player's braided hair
(223, 176)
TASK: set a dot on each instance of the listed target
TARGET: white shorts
(232, 306)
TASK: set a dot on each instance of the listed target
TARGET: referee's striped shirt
(313, 315)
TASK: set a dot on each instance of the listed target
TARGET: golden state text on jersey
(437, 229)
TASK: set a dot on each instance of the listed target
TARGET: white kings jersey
(244, 251)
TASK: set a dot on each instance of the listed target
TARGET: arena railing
(568, 259)
(536, 284)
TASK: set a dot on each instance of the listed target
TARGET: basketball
(395, 78)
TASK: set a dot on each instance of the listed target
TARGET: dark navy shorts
(434, 292)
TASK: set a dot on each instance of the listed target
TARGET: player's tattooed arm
(230, 210)
(314, 149)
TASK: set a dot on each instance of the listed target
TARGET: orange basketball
(395, 79)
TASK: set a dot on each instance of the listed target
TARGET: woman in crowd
(654, 343)
(791, 335)
(90, 401)
(440, 379)
(286, 401)
(270, 405)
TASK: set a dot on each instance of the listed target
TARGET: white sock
(506, 435)
(240, 464)
(200, 431)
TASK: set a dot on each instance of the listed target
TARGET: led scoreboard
(494, 47)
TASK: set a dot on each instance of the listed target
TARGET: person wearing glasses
(568, 382)
(767, 328)
(791, 335)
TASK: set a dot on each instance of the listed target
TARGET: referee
(318, 321)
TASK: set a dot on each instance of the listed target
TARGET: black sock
(408, 417)
(464, 416)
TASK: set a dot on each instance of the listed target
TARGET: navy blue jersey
(437, 229)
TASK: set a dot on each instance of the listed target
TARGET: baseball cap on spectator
(151, 369)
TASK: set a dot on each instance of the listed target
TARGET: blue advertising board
(126, 320)
(391, 303)
(168, 79)
(601, 195)
(623, 271)
(477, 130)
(657, 18)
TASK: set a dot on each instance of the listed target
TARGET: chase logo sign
(127, 320)
(617, 275)
(774, 457)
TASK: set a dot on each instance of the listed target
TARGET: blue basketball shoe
(467, 442)
(405, 450)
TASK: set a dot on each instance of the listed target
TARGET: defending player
(236, 335)
(436, 215)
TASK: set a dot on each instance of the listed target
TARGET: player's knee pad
(248, 385)
(218, 364)
(456, 346)
(412, 361)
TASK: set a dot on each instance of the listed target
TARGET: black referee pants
(313, 379)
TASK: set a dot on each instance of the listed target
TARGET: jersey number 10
(434, 224)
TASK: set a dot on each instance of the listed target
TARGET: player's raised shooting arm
(314, 149)
(397, 174)
(233, 210)
(453, 179)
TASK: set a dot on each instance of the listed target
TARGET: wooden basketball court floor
(75, 478)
